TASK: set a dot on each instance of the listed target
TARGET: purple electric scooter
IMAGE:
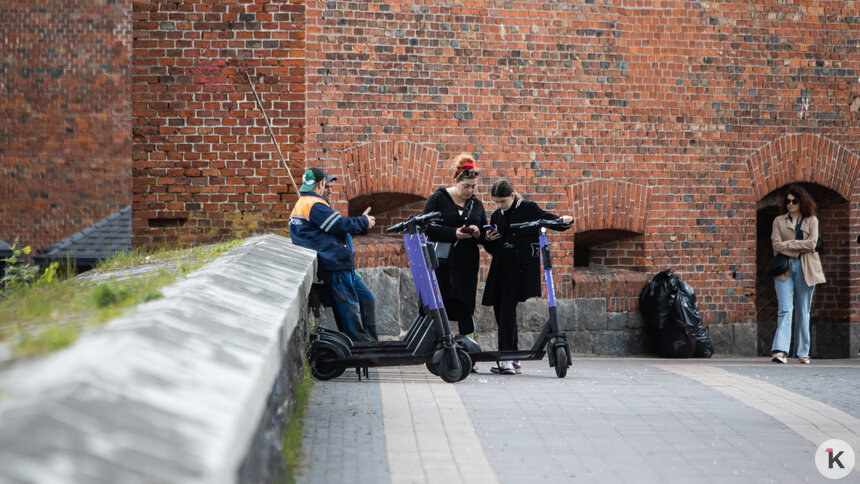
(551, 340)
(429, 339)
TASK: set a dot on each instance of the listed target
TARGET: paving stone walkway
(610, 420)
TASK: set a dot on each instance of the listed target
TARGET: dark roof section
(5, 250)
(99, 241)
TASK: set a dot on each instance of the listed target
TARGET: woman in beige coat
(795, 234)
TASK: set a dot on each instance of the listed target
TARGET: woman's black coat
(515, 253)
(458, 277)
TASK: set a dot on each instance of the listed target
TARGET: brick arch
(803, 158)
(389, 167)
(609, 205)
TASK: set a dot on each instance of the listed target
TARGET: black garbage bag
(687, 309)
(656, 302)
(674, 328)
(678, 340)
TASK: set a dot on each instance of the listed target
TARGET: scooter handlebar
(555, 224)
(420, 220)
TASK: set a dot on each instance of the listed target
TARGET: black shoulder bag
(777, 266)
(443, 249)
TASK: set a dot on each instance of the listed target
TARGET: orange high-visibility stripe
(303, 207)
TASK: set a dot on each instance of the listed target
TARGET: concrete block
(854, 340)
(590, 313)
(408, 305)
(618, 342)
(384, 283)
(566, 318)
(616, 321)
(583, 342)
(635, 320)
(722, 338)
(745, 338)
(532, 314)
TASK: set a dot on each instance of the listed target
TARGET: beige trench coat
(783, 240)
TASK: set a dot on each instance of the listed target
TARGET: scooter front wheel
(322, 366)
(449, 372)
(465, 363)
(560, 361)
(432, 368)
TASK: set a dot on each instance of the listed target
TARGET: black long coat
(458, 277)
(515, 252)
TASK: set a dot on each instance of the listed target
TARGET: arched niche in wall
(387, 176)
(829, 173)
(806, 158)
(606, 212)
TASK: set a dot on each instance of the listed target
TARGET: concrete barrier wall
(184, 389)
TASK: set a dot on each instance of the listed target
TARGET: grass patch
(42, 318)
(176, 253)
(52, 339)
(291, 438)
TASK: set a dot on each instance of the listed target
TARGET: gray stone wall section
(592, 328)
(173, 392)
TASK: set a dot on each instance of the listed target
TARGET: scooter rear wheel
(321, 366)
(560, 362)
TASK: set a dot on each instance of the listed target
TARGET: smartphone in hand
(491, 227)
(467, 229)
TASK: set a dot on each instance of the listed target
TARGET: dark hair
(807, 204)
(502, 188)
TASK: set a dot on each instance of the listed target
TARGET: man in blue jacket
(315, 225)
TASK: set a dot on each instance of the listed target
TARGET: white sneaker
(507, 368)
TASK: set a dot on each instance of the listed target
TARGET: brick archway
(609, 204)
(821, 165)
(389, 167)
(803, 158)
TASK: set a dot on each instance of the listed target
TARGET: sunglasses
(471, 173)
(792, 201)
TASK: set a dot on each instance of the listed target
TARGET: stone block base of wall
(827, 339)
(594, 329)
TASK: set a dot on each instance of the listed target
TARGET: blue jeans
(353, 304)
(795, 298)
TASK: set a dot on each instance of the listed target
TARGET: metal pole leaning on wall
(271, 132)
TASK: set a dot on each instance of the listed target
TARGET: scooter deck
(380, 359)
(507, 355)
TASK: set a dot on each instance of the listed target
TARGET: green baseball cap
(313, 176)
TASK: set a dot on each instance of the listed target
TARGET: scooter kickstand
(362, 369)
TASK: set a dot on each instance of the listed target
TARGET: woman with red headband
(458, 234)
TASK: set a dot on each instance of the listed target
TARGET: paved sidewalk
(610, 420)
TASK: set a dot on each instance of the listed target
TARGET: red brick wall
(675, 118)
(828, 303)
(65, 119)
(204, 164)
(706, 106)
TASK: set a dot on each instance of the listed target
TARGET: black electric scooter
(551, 340)
(429, 338)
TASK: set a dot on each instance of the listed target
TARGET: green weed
(48, 313)
(291, 438)
(52, 339)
